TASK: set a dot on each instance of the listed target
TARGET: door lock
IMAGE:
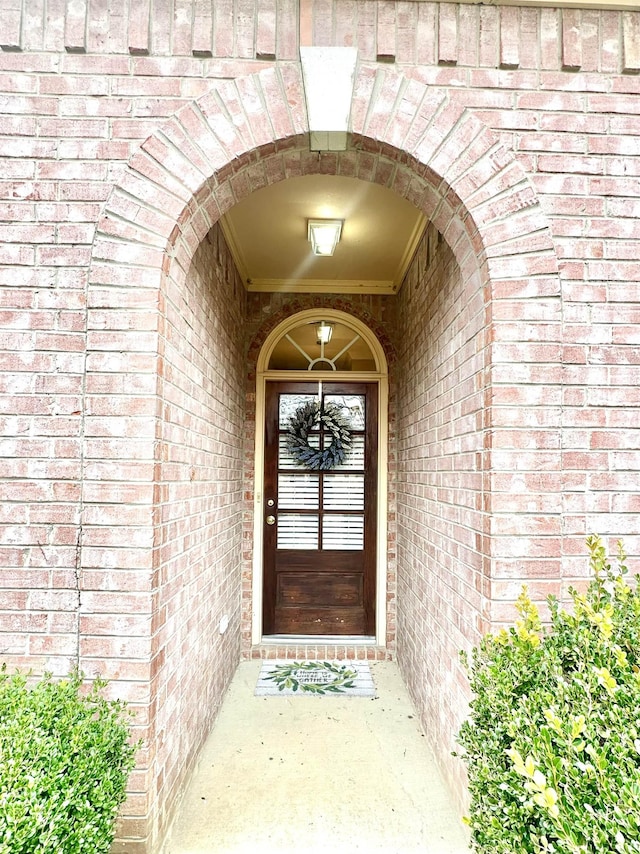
(270, 502)
(271, 520)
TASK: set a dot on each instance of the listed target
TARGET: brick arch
(477, 194)
(245, 134)
(419, 141)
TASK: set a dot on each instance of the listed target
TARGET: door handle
(270, 520)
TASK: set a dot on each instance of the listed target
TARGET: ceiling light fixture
(324, 331)
(324, 234)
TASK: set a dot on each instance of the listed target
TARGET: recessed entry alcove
(196, 526)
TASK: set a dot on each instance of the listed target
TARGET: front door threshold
(316, 647)
(360, 640)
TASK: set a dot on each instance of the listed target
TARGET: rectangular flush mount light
(324, 234)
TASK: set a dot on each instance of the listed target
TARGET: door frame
(380, 377)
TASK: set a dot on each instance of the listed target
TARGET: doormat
(315, 678)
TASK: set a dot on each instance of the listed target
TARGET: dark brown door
(320, 526)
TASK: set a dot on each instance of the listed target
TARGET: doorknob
(271, 520)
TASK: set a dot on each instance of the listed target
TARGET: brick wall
(515, 129)
(413, 33)
(442, 587)
(199, 492)
(73, 114)
(157, 580)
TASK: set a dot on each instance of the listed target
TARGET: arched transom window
(321, 344)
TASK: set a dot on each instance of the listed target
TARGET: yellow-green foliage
(65, 757)
(552, 743)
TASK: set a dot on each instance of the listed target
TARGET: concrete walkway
(317, 774)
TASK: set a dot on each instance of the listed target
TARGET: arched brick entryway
(244, 134)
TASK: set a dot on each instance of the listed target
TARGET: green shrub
(552, 743)
(65, 758)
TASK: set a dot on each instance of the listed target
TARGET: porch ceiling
(267, 235)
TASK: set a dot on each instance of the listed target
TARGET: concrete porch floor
(316, 774)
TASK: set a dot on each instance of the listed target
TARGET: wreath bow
(303, 421)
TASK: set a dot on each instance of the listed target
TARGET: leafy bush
(65, 758)
(552, 743)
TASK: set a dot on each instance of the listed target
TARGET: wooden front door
(320, 526)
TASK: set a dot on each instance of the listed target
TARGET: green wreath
(303, 421)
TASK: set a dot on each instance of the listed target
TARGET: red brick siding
(199, 507)
(410, 33)
(442, 585)
(502, 102)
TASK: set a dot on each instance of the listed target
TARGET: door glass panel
(286, 461)
(351, 406)
(342, 532)
(355, 457)
(297, 531)
(288, 405)
(343, 492)
(299, 490)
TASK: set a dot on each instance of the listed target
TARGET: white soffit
(328, 75)
(267, 235)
